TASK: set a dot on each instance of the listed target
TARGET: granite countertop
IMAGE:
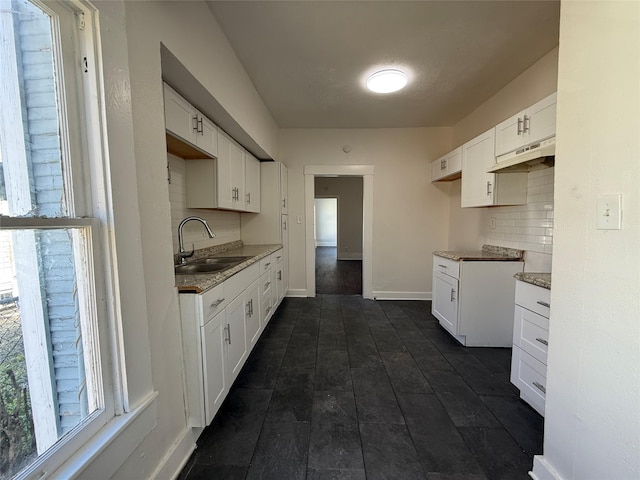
(488, 253)
(202, 282)
(540, 279)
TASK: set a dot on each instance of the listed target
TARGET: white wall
(410, 214)
(350, 191)
(131, 36)
(592, 424)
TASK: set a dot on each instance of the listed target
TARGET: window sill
(105, 453)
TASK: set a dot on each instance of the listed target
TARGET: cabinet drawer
(266, 285)
(236, 284)
(530, 376)
(534, 298)
(531, 333)
(447, 266)
(277, 257)
(213, 302)
(265, 264)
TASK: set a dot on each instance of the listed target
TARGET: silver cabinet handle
(279, 257)
(268, 310)
(200, 127)
(279, 274)
(284, 203)
(544, 304)
(443, 266)
(251, 303)
(488, 188)
(228, 330)
(285, 225)
(452, 294)
(542, 341)
(520, 129)
(216, 303)
(195, 124)
(540, 387)
(266, 265)
(526, 124)
(248, 195)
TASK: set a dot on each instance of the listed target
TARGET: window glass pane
(31, 150)
(46, 387)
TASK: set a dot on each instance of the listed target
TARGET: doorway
(366, 173)
(338, 235)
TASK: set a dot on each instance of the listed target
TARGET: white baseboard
(326, 244)
(543, 470)
(380, 295)
(350, 256)
(297, 292)
(176, 458)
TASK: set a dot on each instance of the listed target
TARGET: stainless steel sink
(208, 265)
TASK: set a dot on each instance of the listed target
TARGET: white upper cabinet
(252, 183)
(481, 189)
(447, 167)
(224, 182)
(284, 189)
(530, 125)
(184, 121)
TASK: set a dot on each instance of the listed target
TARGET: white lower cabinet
(530, 343)
(213, 336)
(472, 300)
(219, 329)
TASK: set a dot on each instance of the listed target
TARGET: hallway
(339, 387)
(333, 276)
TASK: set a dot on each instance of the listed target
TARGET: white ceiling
(308, 59)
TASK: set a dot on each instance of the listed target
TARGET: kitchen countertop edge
(201, 282)
(534, 278)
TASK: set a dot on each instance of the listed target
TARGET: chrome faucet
(184, 255)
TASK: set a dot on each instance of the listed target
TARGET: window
(54, 264)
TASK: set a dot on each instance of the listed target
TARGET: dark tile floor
(339, 387)
(337, 276)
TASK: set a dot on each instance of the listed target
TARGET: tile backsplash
(226, 225)
(528, 227)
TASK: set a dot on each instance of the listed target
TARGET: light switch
(609, 212)
(299, 219)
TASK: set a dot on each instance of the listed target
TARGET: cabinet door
(477, 158)
(448, 166)
(252, 183)
(284, 189)
(226, 194)
(252, 313)
(510, 134)
(541, 119)
(179, 115)
(213, 366)
(236, 165)
(207, 135)
(444, 305)
(236, 346)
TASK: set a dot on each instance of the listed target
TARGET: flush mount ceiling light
(387, 81)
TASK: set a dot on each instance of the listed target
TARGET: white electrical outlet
(609, 212)
(493, 222)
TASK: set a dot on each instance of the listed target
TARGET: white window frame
(91, 214)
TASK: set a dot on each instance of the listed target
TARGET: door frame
(364, 171)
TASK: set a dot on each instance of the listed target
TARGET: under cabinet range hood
(522, 160)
